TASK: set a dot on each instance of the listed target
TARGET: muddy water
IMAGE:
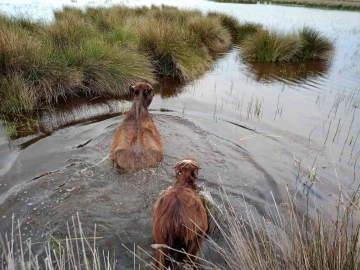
(248, 124)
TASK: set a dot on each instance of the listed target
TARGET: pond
(253, 127)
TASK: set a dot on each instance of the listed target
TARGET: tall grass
(291, 240)
(285, 239)
(271, 46)
(173, 49)
(98, 51)
(276, 46)
(248, 29)
(211, 33)
(315, 46)
(229, 22)
(77, 251)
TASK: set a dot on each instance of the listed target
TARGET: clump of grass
(72, 252)
(67, 11)
(16, 96)
(10, 128)
(70, 30)
(98, 51)
(271, 46)
(108, 69)
(315, 46)
(248, 29)
(174, 49)
(292, 240)
(275, 46)
(210, 33)
(227, 21)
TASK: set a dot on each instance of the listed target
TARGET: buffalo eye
(147, 92)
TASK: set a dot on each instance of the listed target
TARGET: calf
(180, 218)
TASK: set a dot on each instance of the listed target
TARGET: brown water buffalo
(137, 142)
(180, 219)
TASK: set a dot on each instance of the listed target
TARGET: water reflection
(169, 88)
(294, 72)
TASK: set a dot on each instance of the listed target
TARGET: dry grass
(291, 240)
(271, 46)
(229, 22)
(76, 251)
(247, 29)
(285, 239)
(275, 46)
(316, 46)
(174, 50)
(99, 51)
(210, 33)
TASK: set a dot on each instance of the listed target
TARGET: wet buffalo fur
(137, 142)
(180, 219)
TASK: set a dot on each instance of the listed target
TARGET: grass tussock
(271, 46)
(99, 51)
(316, 46)
(174, 50)
(211, 33)
(229, 22)
(275, 46)
(291, 240)
(247, 29)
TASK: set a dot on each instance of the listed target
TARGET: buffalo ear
(132, 88)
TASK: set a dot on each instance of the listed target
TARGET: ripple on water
(84, 180)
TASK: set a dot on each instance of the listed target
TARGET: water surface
(306, 112)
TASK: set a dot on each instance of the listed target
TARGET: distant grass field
(338, 5)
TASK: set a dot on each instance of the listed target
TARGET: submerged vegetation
(276, 46)
(100, 51)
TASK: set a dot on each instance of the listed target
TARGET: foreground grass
(286, 239)
(275, 46)
(292, 240)
(336, 5)
(76, 251)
